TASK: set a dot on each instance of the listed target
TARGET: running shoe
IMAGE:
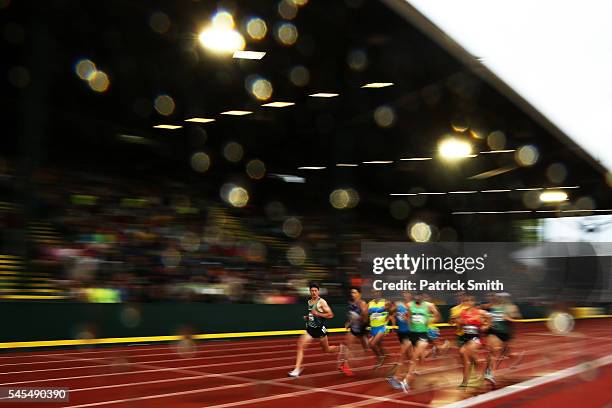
(394, 383)
(295, 372)
(346, 370)
(405, 387)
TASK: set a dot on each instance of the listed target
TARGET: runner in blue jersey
(400, 319)
(318, 312)
(356, 318)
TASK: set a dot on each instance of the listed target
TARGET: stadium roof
(382, 141)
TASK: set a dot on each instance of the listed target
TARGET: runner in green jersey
(318, 312)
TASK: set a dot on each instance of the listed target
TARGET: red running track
(253, 373)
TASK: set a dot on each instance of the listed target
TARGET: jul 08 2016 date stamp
(34, 394)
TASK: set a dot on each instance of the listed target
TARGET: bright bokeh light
(287, 34)
(164, 105)
(85, 69)
(342, 198)
(292, 227)
(221, 37)
(261, 88)
(553, 196)
(256, 28)
(419, 232)
(238, 197)
(98, 81)
(451, 149)
(287, 9)
(200, 162)
(527, 155)
(299, 75)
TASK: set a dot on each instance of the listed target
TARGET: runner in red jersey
(474, 321)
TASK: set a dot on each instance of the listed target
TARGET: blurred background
(233, 151)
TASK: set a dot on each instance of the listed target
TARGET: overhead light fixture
(378, 85)
(236, 113)
(170, 127)
(453, 148)
(251, 55)
(431, 193)
(312, 168)
(378, 162)
(346, 165)
(416, 159)
(499, 151)
(463, 212)
(403, 194)
(289, 178)
(200, 120)
(463, 192)
(278, 104)
(562, 188)
(324, 95)
(547, 211)
(575, 211)
(553, 196)
(492, 173)
(495, 191)
(220, 37)
(529, 189)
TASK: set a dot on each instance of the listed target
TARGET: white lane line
(534, 382)
(194, 366)
(249, 381)
(172, 358)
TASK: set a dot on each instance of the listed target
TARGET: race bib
(419, 319)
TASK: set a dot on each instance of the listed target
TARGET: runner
(473, 321)
(357, 315)
(418, 314)
(433, 332)
(378, 311)
(318, 312)
(455, 312)
(400, 319)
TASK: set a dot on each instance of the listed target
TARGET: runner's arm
(327, 312)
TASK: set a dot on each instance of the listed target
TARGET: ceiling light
(562, 188)
(499, 151)
(251, 55)
(312, 168)
(346, 165)
(170, 127)
(403, 194)
(529, 189)
(377, 84)
(553, 196)
(416, 159)
(431, 193)
(378, 162)
(495, 191)
(451, 149)
(199, 120)
(278, 104)
(464, 212)
(463, 192)
(323, 95)
(236, 112)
